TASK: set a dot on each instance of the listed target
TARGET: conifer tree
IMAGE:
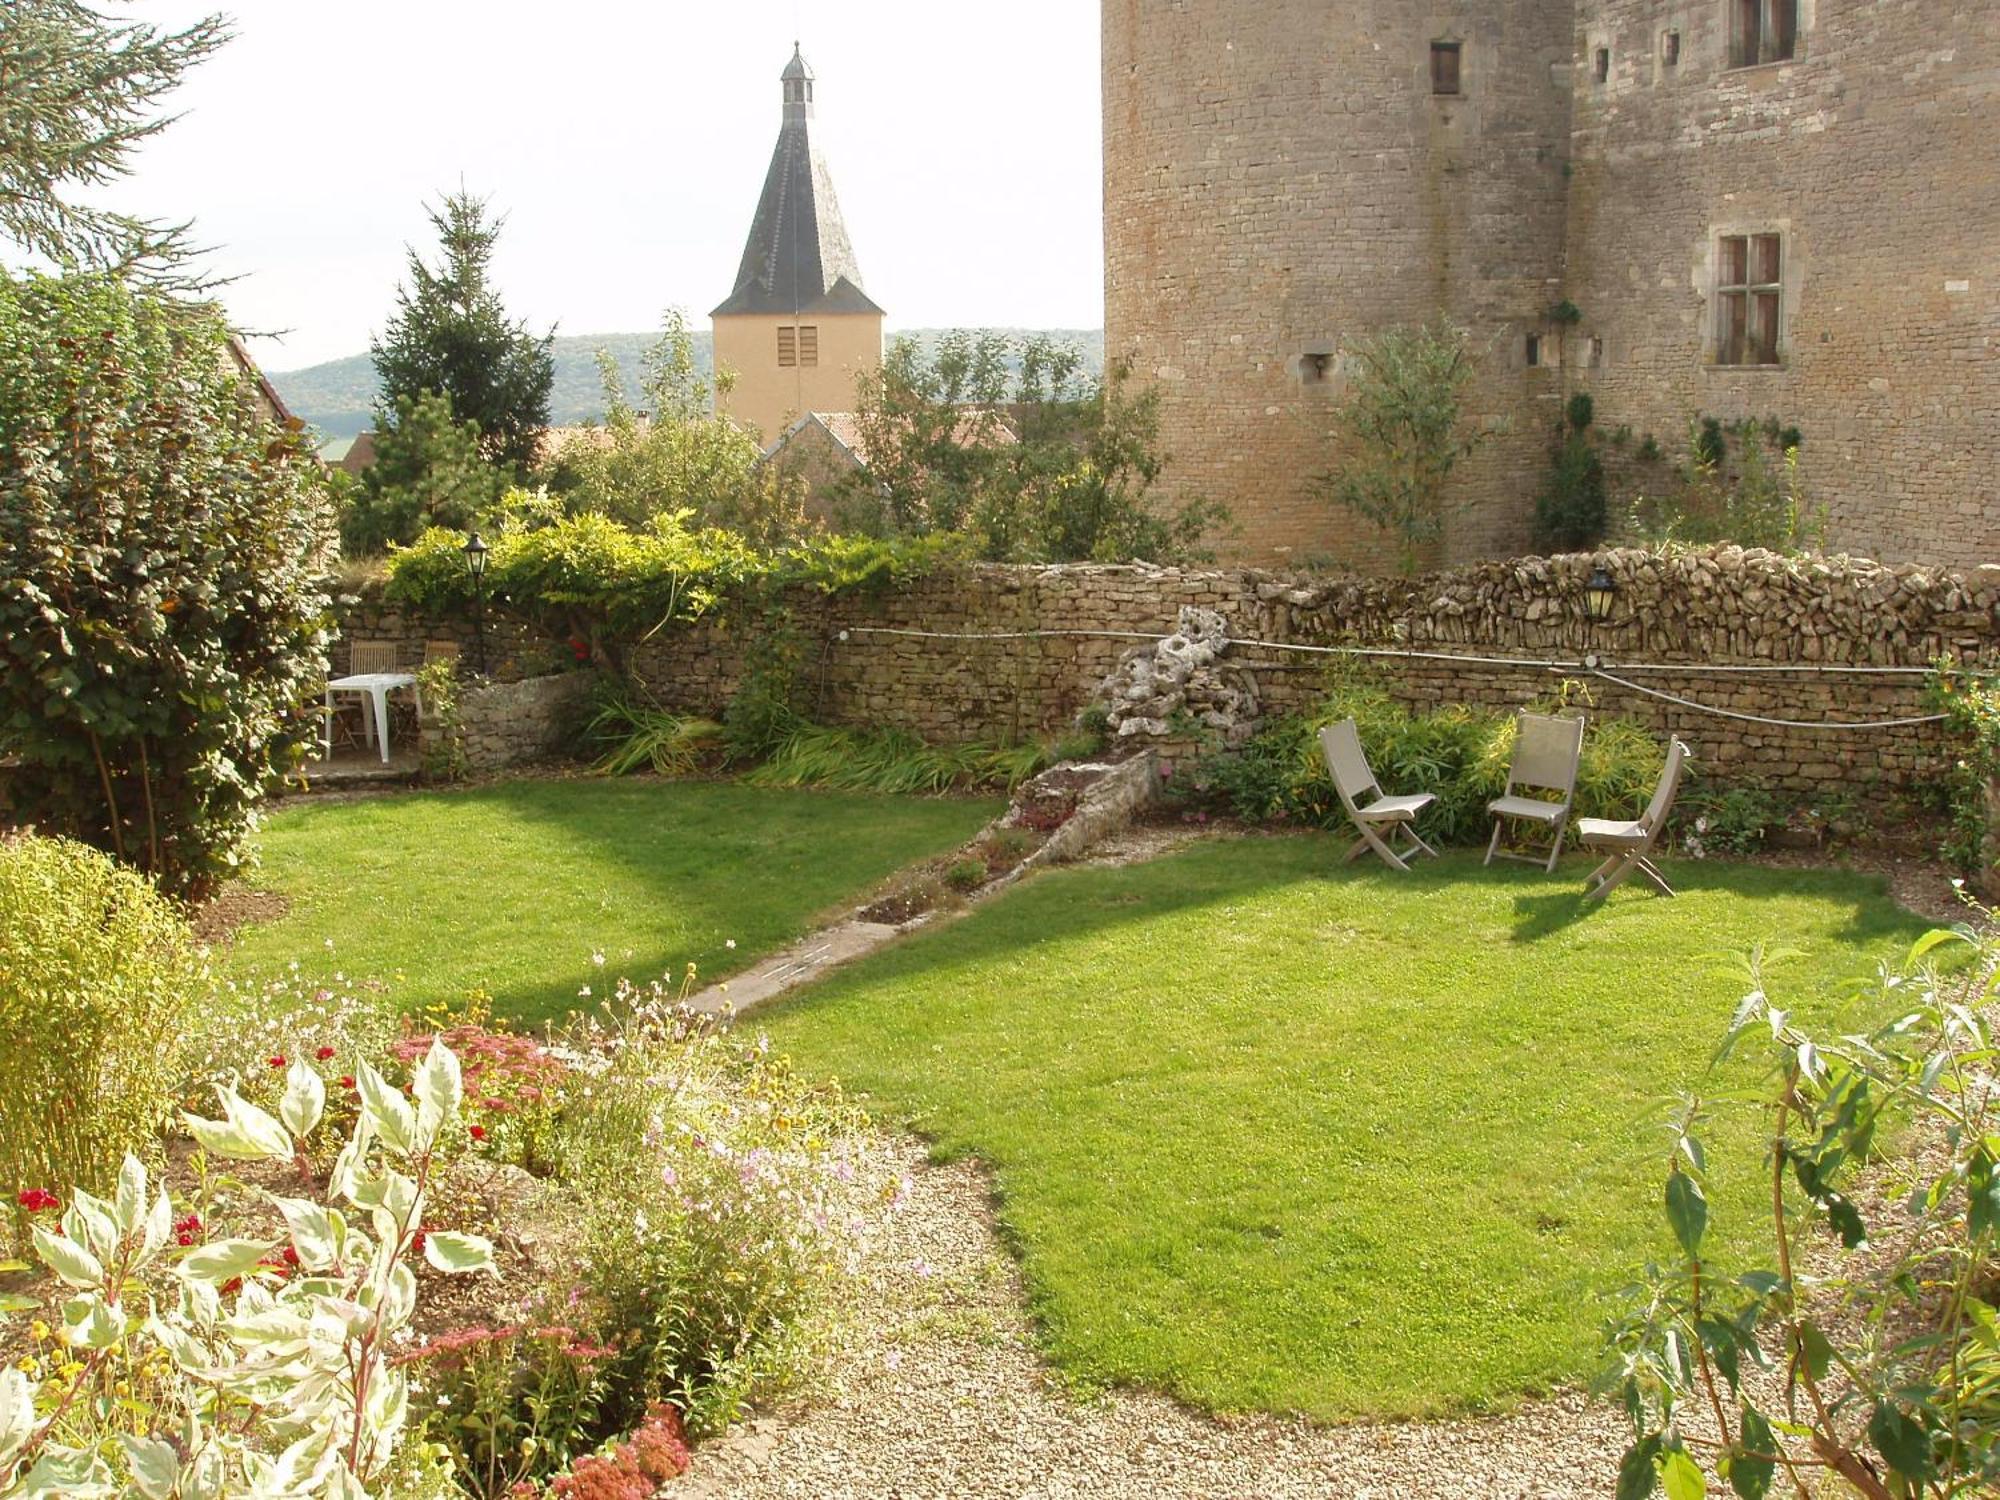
(451, 335)
(77, 93)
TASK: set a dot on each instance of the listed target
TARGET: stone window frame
(1452, 47)
(1600, 64)
(1770, 20)
(1670, 47)
(1720, 283)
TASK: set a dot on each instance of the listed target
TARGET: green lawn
(1273, 1133)
(512, 887)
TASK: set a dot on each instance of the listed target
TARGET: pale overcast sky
(626, 143)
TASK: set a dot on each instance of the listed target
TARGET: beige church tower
(798, 329)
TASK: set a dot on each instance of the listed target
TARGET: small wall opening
(1445, 60)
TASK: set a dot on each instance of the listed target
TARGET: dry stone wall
(1011, 652)
(957, 656)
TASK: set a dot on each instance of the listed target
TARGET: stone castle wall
(1873, 155)
(1279, 180)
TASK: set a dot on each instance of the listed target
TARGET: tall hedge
(163, 629)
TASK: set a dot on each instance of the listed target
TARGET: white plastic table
(377, 686)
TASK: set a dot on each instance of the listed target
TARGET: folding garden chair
(1546, 752)
(1366, 805)
(1630, 844)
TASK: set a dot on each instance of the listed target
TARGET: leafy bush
(1457, 753)
(1570, 512)
(98, 974)
(890, 761)
(1883, 1362)
(512, 1406)
(1759, 504)
(302, 1357)
(677, 455)
(1733, 821)
(1971, 705)
(718, 1199)
(1038, 465)
(163, 629)
(1400, 430)
(443, 734)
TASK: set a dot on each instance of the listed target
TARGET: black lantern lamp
(475, 552)
(1599, 594)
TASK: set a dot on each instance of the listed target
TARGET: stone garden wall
(506, 724)
(1004, 652)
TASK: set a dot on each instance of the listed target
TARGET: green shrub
(1971, 792)
(966, 875)
(1760, 503)
(97, 973)
(1457, 753)
(163, 624)
(1733, 821)
(1570, 512)
(718, 1198)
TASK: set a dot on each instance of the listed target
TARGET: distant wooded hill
(338, 397)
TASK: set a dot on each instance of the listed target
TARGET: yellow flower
(39, 1330)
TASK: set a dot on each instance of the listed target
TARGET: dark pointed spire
(798, 258)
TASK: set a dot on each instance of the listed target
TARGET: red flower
(417, 1242)
(347, 1080)
(183, 1238)
(325, 1054)
(289, 1255)
(39, 1200)
(276, 1060)
(232, 1286)
(479, 1132)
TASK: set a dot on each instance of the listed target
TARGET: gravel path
(939, 1392)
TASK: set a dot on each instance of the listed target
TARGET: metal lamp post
(475, 552)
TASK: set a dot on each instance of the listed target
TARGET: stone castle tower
(1745, 209)
(798, 328)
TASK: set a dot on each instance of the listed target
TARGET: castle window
(1596, 354)
(1602, 67)
(1534, 351)
(1444, 67)
(809, 346)
(1670, 49)
(788, 348)
(1749, 299)
(1315, 366)
(1762, 31)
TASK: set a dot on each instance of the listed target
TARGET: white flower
(729, 942)
(597, 959)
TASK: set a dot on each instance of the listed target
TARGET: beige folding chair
(370, 656)
(1546, 753)
(1630, 844)
(1366, 805)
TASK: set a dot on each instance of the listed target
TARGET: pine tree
(451, 334)
(77, 93)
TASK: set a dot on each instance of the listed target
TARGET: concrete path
(805, 960)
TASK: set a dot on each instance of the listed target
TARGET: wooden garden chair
(1547, 751)
(1630, 845)
(1367, 807)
